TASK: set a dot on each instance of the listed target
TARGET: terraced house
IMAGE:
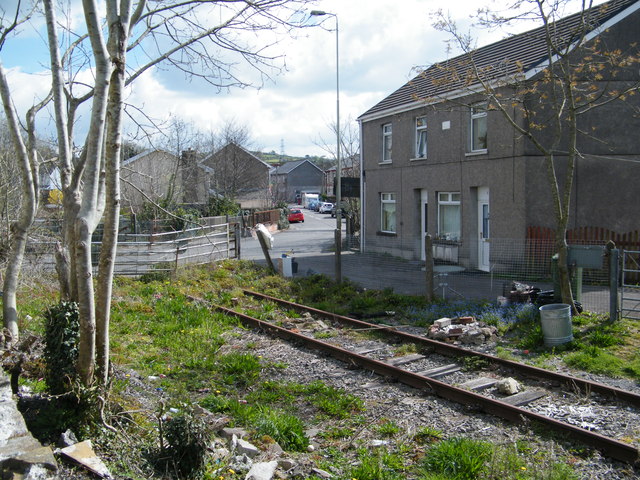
(440, 154)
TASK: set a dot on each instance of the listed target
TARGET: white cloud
(380, 43)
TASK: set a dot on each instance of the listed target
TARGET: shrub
(185, 443)
(61, 346)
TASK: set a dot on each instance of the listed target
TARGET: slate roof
(288, 167)
(508, 57)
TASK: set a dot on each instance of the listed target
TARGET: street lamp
(338, 233)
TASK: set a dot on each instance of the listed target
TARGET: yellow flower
(523, 468)
(231, 471)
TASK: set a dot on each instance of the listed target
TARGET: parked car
(312, 205)
(325, 207)
(296, 215)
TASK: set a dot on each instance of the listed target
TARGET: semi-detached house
(438, 159)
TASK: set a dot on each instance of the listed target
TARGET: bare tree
(549, 101)
(203, 39)
(350, 160)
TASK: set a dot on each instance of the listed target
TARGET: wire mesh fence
(513, 266)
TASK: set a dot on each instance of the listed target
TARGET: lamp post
(338, 192)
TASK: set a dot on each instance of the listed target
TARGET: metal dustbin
(556, 324)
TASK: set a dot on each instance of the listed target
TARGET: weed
(595, 360)
(458, 458)
(284, 428)
(377, 465)
(387, 428)
(405, 349)
(337, 433)
(474, 363)
(241, 369)
(427, 435)
(324, 334)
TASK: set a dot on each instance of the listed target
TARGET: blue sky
(380, 43)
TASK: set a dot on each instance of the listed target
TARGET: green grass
(458, 459)
(157, 330)
(282, 427)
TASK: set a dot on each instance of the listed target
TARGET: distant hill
(276, 158)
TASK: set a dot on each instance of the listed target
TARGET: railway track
(439, 369)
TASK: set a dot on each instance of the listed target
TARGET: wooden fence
(541, 241)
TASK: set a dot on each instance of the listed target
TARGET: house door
(483, 229)
(424, 224)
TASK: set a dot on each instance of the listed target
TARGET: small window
(478, 129)
(386, 142)
(449, 216)
(421, 137)
(388, 212)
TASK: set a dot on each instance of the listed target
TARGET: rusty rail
(609, 446)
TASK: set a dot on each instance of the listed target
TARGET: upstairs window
(421, 137)
(449, 216)
(478, 128)
(386, 142)
(388, 212)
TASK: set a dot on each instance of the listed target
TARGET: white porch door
(424, 225)
(483, 229)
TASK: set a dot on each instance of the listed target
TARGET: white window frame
(387, 142)
(421, 133)
(388, 206)
(449, 199)
(478, 113)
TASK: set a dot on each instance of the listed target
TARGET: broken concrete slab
(262, 471)
(83, 454)
(246, 448)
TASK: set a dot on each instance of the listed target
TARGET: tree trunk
(28, 172)
(118, 34)
(88, 214)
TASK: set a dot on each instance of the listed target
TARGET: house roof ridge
(518, 51)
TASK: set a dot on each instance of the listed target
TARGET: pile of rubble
(465, 330)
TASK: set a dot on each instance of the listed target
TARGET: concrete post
(265, 250)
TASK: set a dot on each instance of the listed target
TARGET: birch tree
(577, 75)
(27, 163)
(226, 43)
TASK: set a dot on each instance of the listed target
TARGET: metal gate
(630, 292)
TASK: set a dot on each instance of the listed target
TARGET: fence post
(428, 266)
(614, 275)
(236, 234)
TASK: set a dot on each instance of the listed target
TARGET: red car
(296, 215)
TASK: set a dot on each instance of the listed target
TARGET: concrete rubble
(465, 330)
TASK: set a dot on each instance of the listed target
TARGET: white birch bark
(19, 229)
(87, 218)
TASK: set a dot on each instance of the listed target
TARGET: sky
(380, 44)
